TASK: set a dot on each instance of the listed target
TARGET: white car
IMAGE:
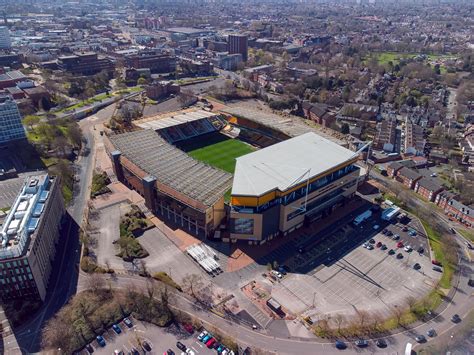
(277, 274)
(202, 335)
(408, 248)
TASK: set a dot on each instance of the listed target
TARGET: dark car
(146, 346)
(89, 348)
(420, 339)
(100, 340)
(169, 352)
(389, 233)
(384, 232)
(405, 228)
(470, 282)
(417, 266)
(128, 322)
(371, 241)
(431, 333)
(437, 268)
(181, 346)
(383, 247)
(391, 252)
(116, 329)
(396, 237)
(455, 318)
(340, 345)
(381, 343)
(361, 343)
(421, 250)
(134, 351)
(399, 256)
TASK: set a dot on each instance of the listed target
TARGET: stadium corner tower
(280, 188)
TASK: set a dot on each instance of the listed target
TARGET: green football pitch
(219, 151)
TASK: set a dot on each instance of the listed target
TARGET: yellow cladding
(253, 201)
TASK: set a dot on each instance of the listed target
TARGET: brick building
(318, 113)
(428, 188)
(408, 177)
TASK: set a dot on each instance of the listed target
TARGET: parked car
(134, 351)
(206, 338)
(408, 248)
(400, 245)
(396, 237)
(277, 274)
(469, 245)
(381, 343)
(412, 233)
(399, 256)
(389, 233)
(128, 322)
(361, 343)
(383, 247)
(431, 333)
(146, 346)
(100, 340)
(391, 252)
(210, 343)
(370, 247)
(405, 229)
(89, 348)
(181, 346)
(470, 282)
(378, 245)
(437, 268)
(372, 241)
(417, 266)
(436, 262)
(420, 250)
(190, 351)
(202, 335)
(455, 318)
(420, 339)
(384, 232)
(116, 329)
(340, 344)
(188, 327)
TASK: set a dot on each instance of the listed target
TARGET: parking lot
(340, 275)
(159, 339)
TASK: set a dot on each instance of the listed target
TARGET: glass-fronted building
(11, 128)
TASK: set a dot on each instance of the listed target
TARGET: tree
(142, 81)
(31, 121)
(410, 302)
(95, 283)
(192, 283)
(397, 313)
(339, 319)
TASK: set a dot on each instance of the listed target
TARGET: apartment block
(29, 236)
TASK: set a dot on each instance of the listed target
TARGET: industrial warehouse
(249, 187)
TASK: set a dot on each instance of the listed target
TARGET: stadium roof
(286, 164)
(290, 125)
(170, 119)
(172, 167)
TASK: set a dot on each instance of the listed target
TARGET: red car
(210, 342)
(399, 245)
(188, 327)
(436, 262)
(378, 245)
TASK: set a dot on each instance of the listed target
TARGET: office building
(85, 63)
(11, 128)
(5, 41)
(279, 188)
(239, 44)
(154, 60)
(29, 236)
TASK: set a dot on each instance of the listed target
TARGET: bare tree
(363, 317)
(192, 283)
(397, 313)
(339, 319)
(410, 302)
(95, 283)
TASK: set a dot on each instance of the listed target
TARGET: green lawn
(222, 154)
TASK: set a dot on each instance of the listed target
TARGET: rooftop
(23, 218)
(286, 164)
(170, 119)
(172, 167)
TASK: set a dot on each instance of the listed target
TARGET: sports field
(221, 153)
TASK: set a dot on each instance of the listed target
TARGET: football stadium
(249, 175)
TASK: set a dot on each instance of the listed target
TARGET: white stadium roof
(286, 164)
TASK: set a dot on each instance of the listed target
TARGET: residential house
(428, 188)
(408, 177)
